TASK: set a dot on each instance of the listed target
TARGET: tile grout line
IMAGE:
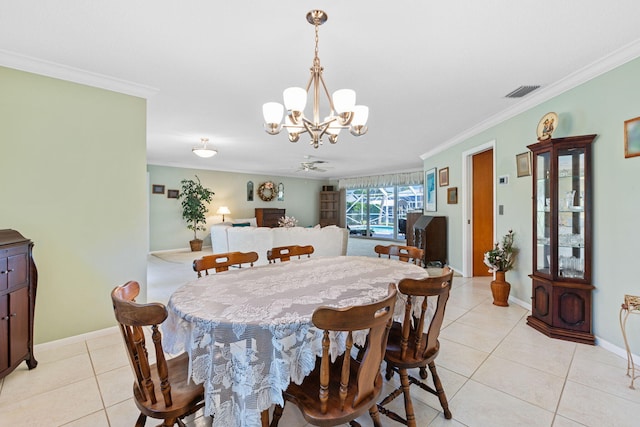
(564, 384)
(95, 377)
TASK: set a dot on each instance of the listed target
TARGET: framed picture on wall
(173, 194)
(632, 138)
(157, 189)
(523, 164)
(430, 204)
(444, 177)
(452, 195)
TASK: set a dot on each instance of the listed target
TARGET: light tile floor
(495, 369)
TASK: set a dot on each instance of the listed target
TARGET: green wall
(169, 231)
(599, 106)
(73, 180)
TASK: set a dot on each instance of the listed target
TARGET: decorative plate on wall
(548, 123)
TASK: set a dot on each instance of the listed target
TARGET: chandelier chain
(317, 38)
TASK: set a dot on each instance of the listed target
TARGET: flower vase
(500, 290)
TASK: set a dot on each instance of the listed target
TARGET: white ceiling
(430, 72)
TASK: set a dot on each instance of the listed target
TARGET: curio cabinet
(562, 222)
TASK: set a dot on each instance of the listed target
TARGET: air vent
(521, 91)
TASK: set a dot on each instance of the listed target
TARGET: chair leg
(441, 396)
(408, 404)
(375, 416)
(142, 420)
(277, 414)
(423, 373)
(389, 372)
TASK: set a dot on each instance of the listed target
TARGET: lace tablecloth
(248, 331)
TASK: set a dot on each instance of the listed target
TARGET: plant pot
(500, 290)
(196, 245)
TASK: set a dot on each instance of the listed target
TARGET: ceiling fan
(311, 166)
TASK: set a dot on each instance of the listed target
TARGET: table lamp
(223, 210)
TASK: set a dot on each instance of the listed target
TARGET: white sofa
(326, 241)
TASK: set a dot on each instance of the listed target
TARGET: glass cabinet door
(543, 213)
(571, 215)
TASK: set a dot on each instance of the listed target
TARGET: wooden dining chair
(161, 390)
(339, 392)
(284, 253)
(409, 346)
(222, 262)
(403, 253)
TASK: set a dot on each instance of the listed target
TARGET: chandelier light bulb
(295, 98)
(272, 112)
(360, 115)
(344, 100)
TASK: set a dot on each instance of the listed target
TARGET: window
(381, 212)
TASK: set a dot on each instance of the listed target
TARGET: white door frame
(467, 205)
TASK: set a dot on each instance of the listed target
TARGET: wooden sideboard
(18, 282)
(268, 217)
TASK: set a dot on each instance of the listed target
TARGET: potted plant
(194, 196)
(500, 259)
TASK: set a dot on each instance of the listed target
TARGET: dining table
(248, 331)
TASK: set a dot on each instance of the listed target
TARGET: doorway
(478, 208)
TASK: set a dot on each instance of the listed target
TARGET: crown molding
(75, 75)
(607, 63)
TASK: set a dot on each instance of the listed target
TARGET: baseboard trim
(164, 251)
(619, 351)
(75, 339)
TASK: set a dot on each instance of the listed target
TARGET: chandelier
(204, 151)
(344, 114)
